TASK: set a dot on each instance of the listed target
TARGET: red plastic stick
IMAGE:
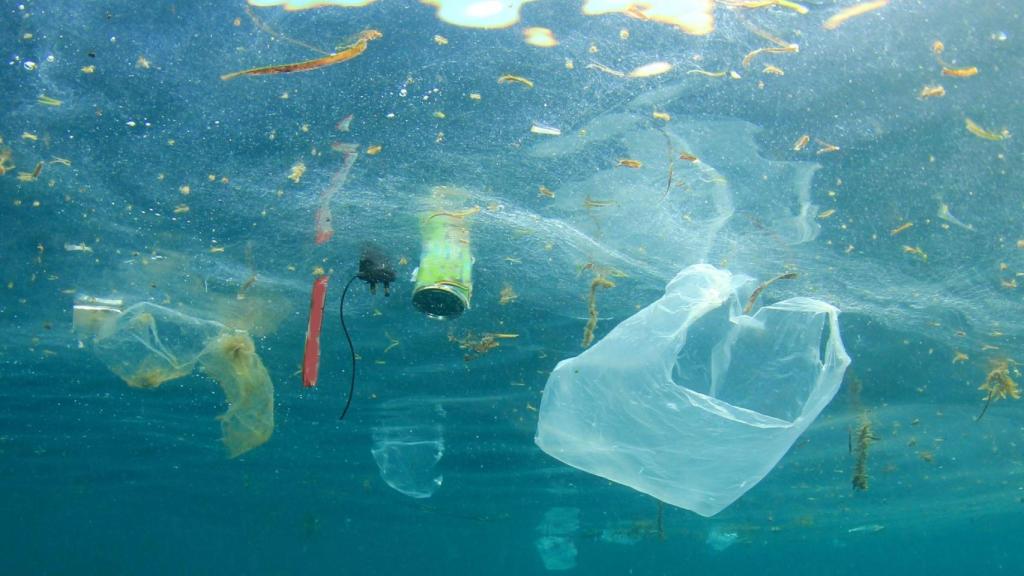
(311, 357)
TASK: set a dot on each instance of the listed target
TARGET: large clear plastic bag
(690, 400)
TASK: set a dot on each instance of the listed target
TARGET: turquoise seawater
(132, 173)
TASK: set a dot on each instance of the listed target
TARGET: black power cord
(352, 350)
(374, 268)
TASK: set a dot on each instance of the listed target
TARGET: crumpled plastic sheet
(148, 345)
(408, 448)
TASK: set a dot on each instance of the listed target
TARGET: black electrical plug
(375, 268)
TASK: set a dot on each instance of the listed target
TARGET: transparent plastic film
(691, 401)
(147, 345)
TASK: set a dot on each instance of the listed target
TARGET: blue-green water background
(99, 478)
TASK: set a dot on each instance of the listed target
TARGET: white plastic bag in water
(691, 401)
(407, 456)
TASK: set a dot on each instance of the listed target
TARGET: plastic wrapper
(231, 360)
(691, 401)
(407, 456)
(148, 345)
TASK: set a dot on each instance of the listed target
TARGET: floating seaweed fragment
(460, 214)
(757, 291)
(478, 346)
(589, 203)
(999, 384)
(30, 176)
(860, 441)
(602, 68)
(48, 101)
(931, 92)
(341, 56)
(648, 70)
(754, 4)
(392, 342)
(839, 18)
(588, 331)
(709, 74)
(296, 171)
(508, 295)
(915, 251)
(509, 78)
(901, 228)
(965, 72)
(984, 134)
(5, 161)
(781, 49)
(825, 147)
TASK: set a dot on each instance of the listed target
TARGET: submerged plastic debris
(147, 345)
(719, 539)
(231, 360)
(341, 56)
(349, 154)
(691, 401)
(556, 538)
(407, 450)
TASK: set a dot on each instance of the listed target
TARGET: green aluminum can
(444, 281)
